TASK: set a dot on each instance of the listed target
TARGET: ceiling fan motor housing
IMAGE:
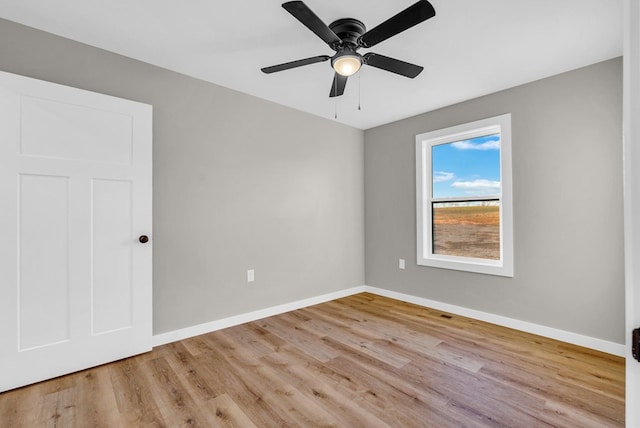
(349, 31)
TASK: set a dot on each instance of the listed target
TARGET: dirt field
(467, 231)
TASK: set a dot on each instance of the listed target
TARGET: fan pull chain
(335, 95)
(359, 92)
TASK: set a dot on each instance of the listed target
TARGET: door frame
(631, 150)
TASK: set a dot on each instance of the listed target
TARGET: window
(464, 210)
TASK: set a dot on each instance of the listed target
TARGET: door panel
(75, 193)
(43, 262)
(112, 249)
(66, 131)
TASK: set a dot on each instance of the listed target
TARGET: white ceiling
(470, 48)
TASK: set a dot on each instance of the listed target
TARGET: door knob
(143, 238)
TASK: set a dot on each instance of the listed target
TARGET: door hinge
(635, 344)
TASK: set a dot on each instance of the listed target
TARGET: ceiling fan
(347, 35)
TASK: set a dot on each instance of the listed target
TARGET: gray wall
(568, 209)
(239, 183)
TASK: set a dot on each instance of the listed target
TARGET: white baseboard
(540, 330)
(553, 333)
(196, 330)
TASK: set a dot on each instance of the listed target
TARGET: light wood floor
(361, 361)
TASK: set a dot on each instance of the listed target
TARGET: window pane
(464, 210)
(466, 168)
(467, 229)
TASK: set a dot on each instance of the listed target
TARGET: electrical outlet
(251, 275)
(401, 263)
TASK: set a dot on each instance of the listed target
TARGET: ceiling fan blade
(413, 15)
(310, 20)
(393, 65)
(338, 85)
(294, 64)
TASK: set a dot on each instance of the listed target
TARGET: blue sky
(467, 168)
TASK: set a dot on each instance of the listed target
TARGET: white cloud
(480, 186)
(468, 145)
(440, 176)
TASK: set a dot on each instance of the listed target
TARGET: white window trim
(424, 142)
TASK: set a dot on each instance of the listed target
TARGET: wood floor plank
(253, 343)
(559, 414)
(133, 395)
(195, 376)
(366, 344)
(248, 396)
(228, 414)
(172, 398)
(596, 383)
(325, 388)
(365, 324)
(58, 409)
(425, 322)
(392, 400)
(196, 345)
(299, 336)
(362, 360)
(277, 392)
(92, 383)
(19, 408)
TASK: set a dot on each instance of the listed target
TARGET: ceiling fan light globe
(347, 65)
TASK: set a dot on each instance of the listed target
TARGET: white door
(631, 113)
(75, 195)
